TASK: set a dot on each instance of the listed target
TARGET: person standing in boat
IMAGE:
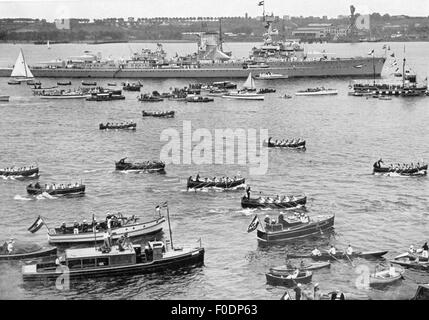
(248, 192)
(378, 163)
(332, 250)
(425, 253)
(10, 244)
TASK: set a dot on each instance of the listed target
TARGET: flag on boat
(285, 296)
(36, 225)
(261, 3)
(394, 63)
(253, 225)
(384, 47)
(371, 52)
(392, 55)
(158, 207)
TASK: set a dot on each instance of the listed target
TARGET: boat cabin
(96, 258)
(284, 222)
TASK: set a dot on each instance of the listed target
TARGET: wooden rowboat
(385, 277)
(286, 280)
(312, 266)
(29, 255)
(340, 255)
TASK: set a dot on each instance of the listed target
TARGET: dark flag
(371, 52)
(36, 225)
(261, 3)
(392, 55)
(253, 225)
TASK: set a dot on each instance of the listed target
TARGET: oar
(351, 262)
(334, 257)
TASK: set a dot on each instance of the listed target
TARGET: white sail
(21, 69)
(49, 46)
(250, 83)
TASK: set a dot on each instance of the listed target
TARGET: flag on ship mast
(371, 52)
(253, 225)
(261, 3)
(36, 225)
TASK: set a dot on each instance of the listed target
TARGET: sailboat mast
(403, 70)
(169, 228)
(25, 64)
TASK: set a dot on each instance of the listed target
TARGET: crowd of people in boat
(333, 251)
(111, 221)
(284, 143)
(53, 186)
(215, 179)
(14, 169)
(298, 216)
(278, 199)
(122, 124)
(399, 167)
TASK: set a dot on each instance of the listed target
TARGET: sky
(52, 9)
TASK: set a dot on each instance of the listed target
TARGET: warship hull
(353, 67)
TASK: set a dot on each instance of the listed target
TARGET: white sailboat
(248, 92)
(48, 45)
(21, 72)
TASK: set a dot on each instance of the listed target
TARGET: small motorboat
(4, 98)
(148, 166)
(386, 277)
(13, 82)
(120, 225)
(53, 190)
(289, 280)
(105, 96)
(111, 84)
(243, 95)
(290, 229)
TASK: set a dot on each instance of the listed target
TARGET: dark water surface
(344, 134)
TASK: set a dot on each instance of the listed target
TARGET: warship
(277, 57)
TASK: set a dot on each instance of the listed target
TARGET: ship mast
(220, 34)
(403, 70)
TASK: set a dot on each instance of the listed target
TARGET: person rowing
(316, 252)
(349, 250)
(332, 251)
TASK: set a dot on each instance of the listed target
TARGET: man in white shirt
(349, 250)
(316, 252)
(332, 250)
